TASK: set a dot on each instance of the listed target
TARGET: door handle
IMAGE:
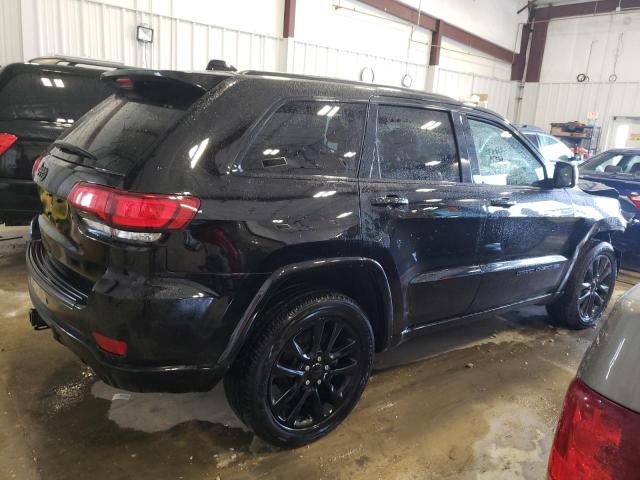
(493, 247)
(389, 201)
(504, 202)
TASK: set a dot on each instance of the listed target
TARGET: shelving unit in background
(576, 134)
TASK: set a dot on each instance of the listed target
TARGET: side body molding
(286, 272)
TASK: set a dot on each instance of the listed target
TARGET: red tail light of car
(635, 199)
(36, 165)
(111, 345)
(6, 141)
(135, 211)
(596, 439)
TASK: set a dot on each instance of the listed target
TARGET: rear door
(417, 213)
(526, 245)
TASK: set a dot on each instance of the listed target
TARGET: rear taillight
(124, 83)
(36, 166)
(111, 345)
(6, 141)
(134, 211)
(635, 199)
(595, 439)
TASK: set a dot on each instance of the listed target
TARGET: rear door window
(310, 138)
(50, 96)
(414, 144)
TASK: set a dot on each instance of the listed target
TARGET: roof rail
(73, 61)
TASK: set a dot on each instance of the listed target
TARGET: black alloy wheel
(315, 372)
(596, 288)
(589, 288)
(303, 369)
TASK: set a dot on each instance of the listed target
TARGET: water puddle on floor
(157, 412)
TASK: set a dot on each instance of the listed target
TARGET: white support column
(431, 82)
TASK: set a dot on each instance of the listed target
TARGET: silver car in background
(598, 434)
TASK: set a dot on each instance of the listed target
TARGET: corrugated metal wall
(502, 93)
(93, 29)
(313, 59)
(545, 103)
(90, 28)
(10, 32)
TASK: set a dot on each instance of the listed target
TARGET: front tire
(588, 289)
(303, 371)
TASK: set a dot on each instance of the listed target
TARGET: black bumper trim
(53, 278)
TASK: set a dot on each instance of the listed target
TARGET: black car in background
(620, 169)
(277, 230)
(38, 101)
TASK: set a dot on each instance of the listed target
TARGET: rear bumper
(158, 357)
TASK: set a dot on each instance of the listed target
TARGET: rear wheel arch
(362, 279)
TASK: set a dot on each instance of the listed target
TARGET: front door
(526, 243)
(417, 214)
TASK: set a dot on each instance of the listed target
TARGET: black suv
(38, 101)
(278, 230)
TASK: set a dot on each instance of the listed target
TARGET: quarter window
(414, 144)
(310, 138)
(502, 158)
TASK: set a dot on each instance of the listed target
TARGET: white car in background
(551, 148)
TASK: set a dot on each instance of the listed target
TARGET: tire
(572, 309)
(301, 373)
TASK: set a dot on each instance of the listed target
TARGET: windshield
(614, 163)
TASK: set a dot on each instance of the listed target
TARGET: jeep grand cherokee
(278, 230)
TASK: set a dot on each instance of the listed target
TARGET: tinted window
(614, 163)
(414, 144)
(502, 158)
(533, 138)
(50, 96)
(309, 138)
(122, 133)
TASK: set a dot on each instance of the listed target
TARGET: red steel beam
(586, 8)
(543, 15)
(436, 41)
(289, 24)
(404, 12)
(477, 43)
(410, 14)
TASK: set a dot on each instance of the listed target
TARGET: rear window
(122, 133)
(309, 138)
(50, 96)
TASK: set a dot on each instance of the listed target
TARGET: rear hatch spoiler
(134, 79)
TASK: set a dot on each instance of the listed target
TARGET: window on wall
(414, 144)
(310, 138)
(502, 158)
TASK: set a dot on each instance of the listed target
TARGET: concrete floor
(483, 406)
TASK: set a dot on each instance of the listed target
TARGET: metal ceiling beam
(543, 15)
(410, 15)
(585, 8)
(289, 23)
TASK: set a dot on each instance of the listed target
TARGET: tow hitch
(36, 320)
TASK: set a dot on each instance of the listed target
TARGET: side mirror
(565, 174)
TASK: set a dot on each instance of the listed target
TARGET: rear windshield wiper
(71, 148)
